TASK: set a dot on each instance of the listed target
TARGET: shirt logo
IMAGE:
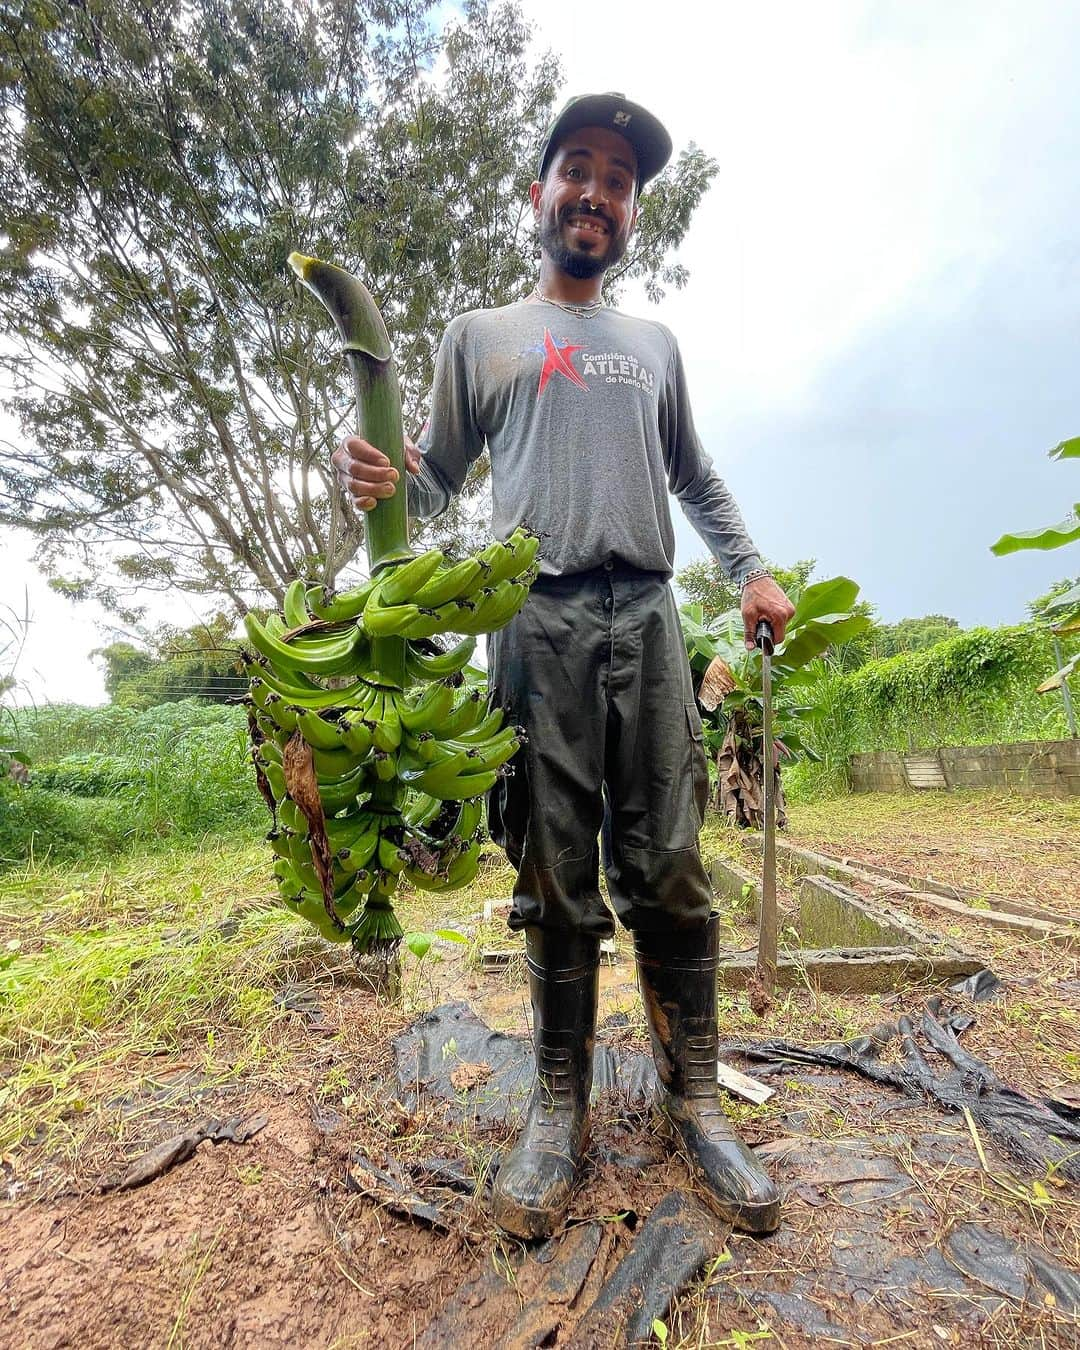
(557, 362)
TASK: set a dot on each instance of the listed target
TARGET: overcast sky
(881, 327)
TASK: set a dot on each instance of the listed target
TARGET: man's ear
(633, 219)
(535, 189)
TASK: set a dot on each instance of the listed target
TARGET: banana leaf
(1069, 449)
(834, 596)
(814, 638)
(1050, 536)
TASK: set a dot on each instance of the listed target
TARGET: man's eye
(573, 171)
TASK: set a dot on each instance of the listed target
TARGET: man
(585, 413)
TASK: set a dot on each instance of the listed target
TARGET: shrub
(119, 776)
(87, 774)
(36, 823)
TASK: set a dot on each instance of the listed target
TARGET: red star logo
(556, 361)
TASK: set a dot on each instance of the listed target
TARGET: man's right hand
(366, 474)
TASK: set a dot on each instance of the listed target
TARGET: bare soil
(268, 1243)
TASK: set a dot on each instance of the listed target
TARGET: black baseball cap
(646, 134)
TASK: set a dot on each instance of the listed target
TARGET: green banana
(388, 729)
(487, 727)
(392, 763)
(385, 620)
(332, 656)
(282, 714)
(318, 732)
(345, 605)
(464, 717)
(295, 604)
(498, 607)
(468, 785)
(431, 708)
(357, 732)
(423, 667)
(452, 583)
(401, 581)
(257, 667)
(336, 764)
(315, 698)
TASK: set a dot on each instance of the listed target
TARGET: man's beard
(578, 264)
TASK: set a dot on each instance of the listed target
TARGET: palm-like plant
(727, 679)
(1064, 611)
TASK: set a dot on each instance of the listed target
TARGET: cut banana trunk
(400, 756)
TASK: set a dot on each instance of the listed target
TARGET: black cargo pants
(595, 669)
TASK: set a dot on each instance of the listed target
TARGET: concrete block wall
(1034, 768)
(882, 771)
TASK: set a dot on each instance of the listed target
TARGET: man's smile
(588, 225)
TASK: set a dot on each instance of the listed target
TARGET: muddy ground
(901, 1226)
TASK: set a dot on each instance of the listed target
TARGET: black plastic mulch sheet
(485, 1075)
(1037, 1131)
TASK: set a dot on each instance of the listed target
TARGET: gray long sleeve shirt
(589, 426)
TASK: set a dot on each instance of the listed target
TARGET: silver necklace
(589, 310)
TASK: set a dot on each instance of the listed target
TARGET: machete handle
(764, 633)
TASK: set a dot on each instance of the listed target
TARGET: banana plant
(371, 749)
(728, 681)
(1064, 612)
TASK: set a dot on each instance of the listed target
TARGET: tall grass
(105, 779)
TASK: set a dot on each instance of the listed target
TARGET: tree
(706, 584)
(175, 390)
(882, 640)
(177, 663)
(14, 628)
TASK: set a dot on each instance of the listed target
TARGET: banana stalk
(383, 777)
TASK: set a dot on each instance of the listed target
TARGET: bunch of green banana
(370, 749)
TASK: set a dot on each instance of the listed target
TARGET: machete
(766, 959)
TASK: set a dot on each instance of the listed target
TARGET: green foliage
(705, 583)
(113, 777)
(36, 823)
(975, 688)
(13, 630)
(88, 774)
(1066, 531)
(883, 640)
(824, 617)
(199, 662)
(177, 396)
(1061, 595)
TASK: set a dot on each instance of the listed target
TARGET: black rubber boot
(677, 972)
(533, 1187)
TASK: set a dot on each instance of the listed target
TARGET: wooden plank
(498, 958)
(741, 1085)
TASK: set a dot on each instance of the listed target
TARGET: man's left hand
(763, 599)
